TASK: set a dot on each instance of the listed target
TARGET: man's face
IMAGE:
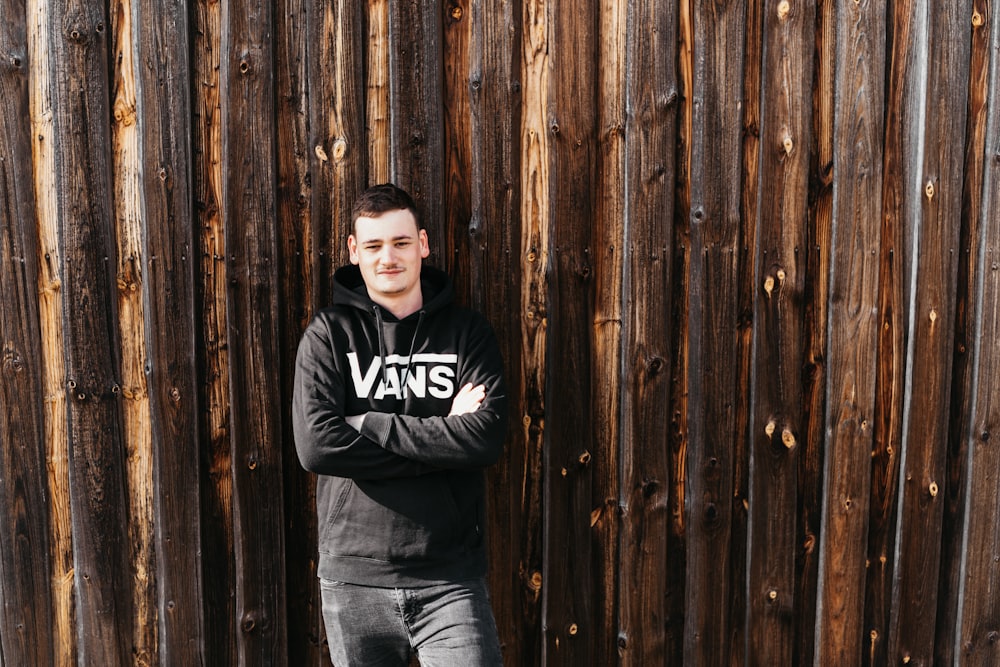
(388, 250)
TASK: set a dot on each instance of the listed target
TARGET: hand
(355, 421)
(467, 399)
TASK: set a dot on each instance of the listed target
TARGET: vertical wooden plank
(934, 211)
(252, 305)
(455, 169)
(901, 136)
(680, 405)
(816, 299)
(338, 159)
(377, 94)
(126, 179)
(607, 328)
(26, 615)
(96, 473)
(718, 37)
(956, 490)
(535, 251)
(340, 148)
(650, 560)
(416, 118)
(213, 339)
(776, 424)
(494, 276)
(569, 595)
(857, 177)
(50, 306)
(161, 34)
(750, 186)
(293, 33)
(976, 625)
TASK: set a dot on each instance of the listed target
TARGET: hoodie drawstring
(382, 350)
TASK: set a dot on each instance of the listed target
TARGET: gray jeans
(444, 625)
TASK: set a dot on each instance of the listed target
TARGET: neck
(403, 306)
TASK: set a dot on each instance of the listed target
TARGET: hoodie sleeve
(326, 444)
(471, 440)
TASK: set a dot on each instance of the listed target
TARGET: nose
(386, 254)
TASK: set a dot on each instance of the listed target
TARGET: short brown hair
(383, 198)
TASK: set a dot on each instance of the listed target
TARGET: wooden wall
(743, 258)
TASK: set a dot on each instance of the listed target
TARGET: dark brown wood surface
(857, 175)
(740, 256)
(169, 261)
(776, 425)
(86, 227)
(569, 576)
(649, 591)
(25, 633)
(254, 332)
(932, 257)
(711, 343)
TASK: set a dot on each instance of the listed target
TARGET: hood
(349, 290)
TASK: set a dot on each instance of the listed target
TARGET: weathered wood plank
(857, 159)
(494, 280)
(377, 113)
(294, 34)
(816, 300)
(455, 170)
(650, 563)
(751, 187)
(570, 596)
(160, 42)
(26, 615)
(956, 488)
(611, 377)
(79, 43)
(128, 211)
(890, 372)
(213, 338)
(52, 343)
(252, 306)
(416, 114)
(534, 306)
(776, 425)
(976, 632)
(934, 202)
(340, 149)
(712, 338)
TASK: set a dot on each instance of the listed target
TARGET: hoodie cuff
(377, 426)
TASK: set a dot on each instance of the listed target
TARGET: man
(398, 406)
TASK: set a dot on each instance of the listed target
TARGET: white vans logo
(429, 374)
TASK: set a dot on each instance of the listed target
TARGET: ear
(425, 248)
(352, 248)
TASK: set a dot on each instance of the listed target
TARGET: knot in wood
(977, 19)
(339, 150)
(788, 439)
(783, 9)
(929, 189)
(787, 144)
(769, 285)
(456, 13)
(321, 154)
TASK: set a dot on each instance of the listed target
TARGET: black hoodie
(401, 502)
